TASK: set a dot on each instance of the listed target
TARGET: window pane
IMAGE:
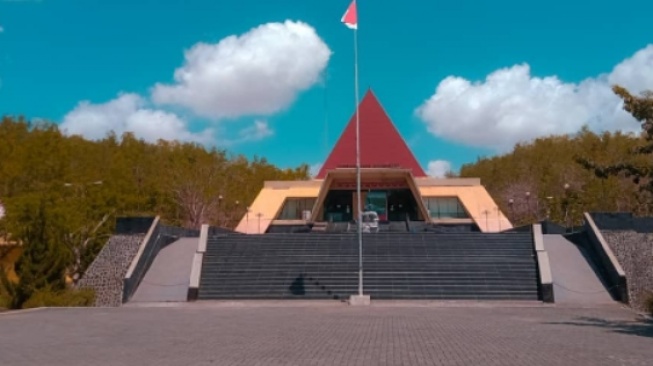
(445, 208)
(293, 208)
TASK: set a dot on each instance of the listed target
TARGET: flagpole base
(359, 300)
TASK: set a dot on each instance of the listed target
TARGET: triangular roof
(380, 143)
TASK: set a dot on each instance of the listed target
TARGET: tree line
(61, 193)
(560, 177)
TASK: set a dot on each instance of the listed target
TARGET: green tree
(637, 164)
(42, 264)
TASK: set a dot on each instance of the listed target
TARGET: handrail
(543, 265)
(141, 248)
(613, 269)
(196, 270)
(141, 261)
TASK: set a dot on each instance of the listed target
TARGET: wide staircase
(451, 266)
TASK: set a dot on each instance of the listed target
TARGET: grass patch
(66, 298)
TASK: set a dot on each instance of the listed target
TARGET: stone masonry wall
(105, 275)
(635, 254)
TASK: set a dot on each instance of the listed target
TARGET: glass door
(377, 201)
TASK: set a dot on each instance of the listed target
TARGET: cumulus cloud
(438, 168)
(257, 73)
(511, 105)
(128, 113)
(256, 132)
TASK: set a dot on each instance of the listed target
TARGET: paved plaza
(291, 333)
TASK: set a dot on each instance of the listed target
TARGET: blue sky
(506, 70)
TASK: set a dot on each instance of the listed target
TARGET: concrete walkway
(340, 335)
(168, 277)
(574, 280)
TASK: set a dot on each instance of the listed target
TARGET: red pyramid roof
(380, 142)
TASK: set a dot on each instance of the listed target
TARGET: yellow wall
(269, 202)
(472, 195)
(477, 202)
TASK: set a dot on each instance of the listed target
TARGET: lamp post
(498, 218)
(220, 213)
(548, 207)
(259, 221)
(247, 219)
(511, 203)
(528, 205)
(566, 204)
(83, 185)
(236, 211)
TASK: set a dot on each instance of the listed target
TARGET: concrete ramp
(168, 278)
(575, 282)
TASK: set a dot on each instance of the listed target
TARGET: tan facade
(479, 207)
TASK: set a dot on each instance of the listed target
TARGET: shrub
(8, 257)
(66, 298)
(5, 301)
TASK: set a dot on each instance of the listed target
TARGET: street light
(96, 183)
(511, 203)
(548, 207)
(528, 204)
(81, 187)
(259, 221)
(566, 203)
(247, 219)
(237, 210)
(220, 213)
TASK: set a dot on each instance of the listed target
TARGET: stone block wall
(105, 275)
(634, 250)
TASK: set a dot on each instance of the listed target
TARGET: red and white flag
(351, 17)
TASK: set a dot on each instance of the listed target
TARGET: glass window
(445, 208)
(377, 201)
(293, 208)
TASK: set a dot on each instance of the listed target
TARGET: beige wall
(269, 202)
(477, 201)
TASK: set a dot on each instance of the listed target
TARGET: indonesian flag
(351, 17)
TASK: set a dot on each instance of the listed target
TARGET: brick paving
(326, 334)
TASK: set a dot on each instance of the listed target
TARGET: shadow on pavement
(640, 327)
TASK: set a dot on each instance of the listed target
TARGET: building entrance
(390, 205)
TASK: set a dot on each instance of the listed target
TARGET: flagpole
(358, 171)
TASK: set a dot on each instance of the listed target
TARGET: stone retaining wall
(105, 275)
(634, 250)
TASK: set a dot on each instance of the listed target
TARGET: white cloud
(511, 105)
(128, 113)
(635, 73)
(257, 73)
(256, 132)
(438, 168)
(1, 29)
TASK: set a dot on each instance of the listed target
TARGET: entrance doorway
(389, 205)
(377, 201)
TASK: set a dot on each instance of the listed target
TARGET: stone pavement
(299, 333)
